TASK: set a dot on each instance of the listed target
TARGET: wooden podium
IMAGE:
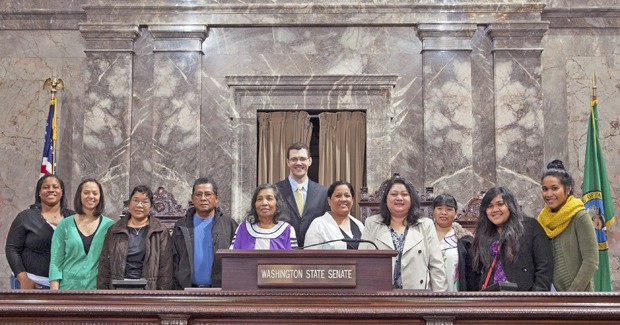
(352, 270)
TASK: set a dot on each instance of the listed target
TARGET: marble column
(446, 71)
(518, 107)
(174, 127)
(107, 108)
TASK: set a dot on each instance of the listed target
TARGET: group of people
(50, 246)
(556, 251)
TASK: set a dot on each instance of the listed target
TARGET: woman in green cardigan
(568, 224)
(78, 239)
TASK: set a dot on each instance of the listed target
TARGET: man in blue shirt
(197, 237)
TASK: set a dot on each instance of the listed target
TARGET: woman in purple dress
(262, 228)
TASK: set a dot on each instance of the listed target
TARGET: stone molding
(306, 14)
(446, 36)
(45, 19)
(303, 13)
(578, 18)
(109, 37)
(517, 36)
(312, 82)
(178, 38)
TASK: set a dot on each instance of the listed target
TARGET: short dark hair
(252, 215)
(77, 200)
(297, 146)
(204, 180)
(37, 197)
(332, 188)
(414, 213)
(144, 190)
(556, 169)
(445, 199)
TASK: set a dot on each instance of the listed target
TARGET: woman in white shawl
(336, 229)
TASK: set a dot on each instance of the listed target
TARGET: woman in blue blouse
(78, 239)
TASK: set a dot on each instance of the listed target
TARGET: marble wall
(459, 95)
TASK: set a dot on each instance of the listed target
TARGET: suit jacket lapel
(311, 196)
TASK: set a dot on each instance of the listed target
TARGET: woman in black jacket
(29, 240)
(509, 246)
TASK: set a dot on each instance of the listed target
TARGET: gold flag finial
(55, 84)
(594, 86)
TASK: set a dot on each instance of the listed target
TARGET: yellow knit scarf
(555, 222)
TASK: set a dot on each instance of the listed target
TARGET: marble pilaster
(448, 155)
(107, 109)
(175, 110)
(483, 113)
(518, 107)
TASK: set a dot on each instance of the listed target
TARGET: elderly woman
(509, 246)
(263, 228)
(331, 230)
(401, 227)
(567, 223)
(455, 242)
(137, 246)
(78, 239)
(29, 240)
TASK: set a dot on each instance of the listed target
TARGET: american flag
(48, 164)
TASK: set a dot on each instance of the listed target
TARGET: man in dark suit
(300, 193)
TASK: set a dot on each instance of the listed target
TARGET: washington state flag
(597, 198)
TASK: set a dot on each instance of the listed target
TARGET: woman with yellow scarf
(568, 225)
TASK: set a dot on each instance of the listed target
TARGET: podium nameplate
(313, 269)
(304, 275)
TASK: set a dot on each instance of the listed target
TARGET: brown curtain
(276, 132)
(342, 147)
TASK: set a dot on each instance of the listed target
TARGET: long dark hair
(252, 215)
(556, 169)
(37, 197)
(486, 231)
(414, 213)
(77, 200)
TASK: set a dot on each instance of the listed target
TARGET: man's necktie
(299, 199)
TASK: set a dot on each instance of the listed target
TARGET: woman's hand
(54, 285)
(25, 282)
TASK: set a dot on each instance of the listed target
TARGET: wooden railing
(203, 306)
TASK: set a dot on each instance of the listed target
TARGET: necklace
(137, 230)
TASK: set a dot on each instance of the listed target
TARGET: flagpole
(594, 86)
(55, 84)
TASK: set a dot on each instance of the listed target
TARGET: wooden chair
(468, 218)
(370, 203)
(165, 208)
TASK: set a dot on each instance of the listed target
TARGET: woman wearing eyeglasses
(137, 246)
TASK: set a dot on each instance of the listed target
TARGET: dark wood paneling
(273, 307)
